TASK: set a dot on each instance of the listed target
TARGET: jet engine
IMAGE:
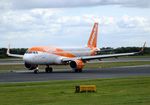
(77, 64)
(30, 66)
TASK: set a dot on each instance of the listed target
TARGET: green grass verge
(116, 64)
(7, 68)
(11, 67)
(122, 91)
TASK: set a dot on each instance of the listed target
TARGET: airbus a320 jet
(75, 57)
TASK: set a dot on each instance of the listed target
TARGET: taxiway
(117, 72)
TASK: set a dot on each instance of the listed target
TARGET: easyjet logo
(93, 35)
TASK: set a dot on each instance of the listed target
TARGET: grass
(122, 91)
(116, 64)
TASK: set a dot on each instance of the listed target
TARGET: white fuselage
(52, 56)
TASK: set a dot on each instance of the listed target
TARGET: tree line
(104, 50)
(110, 50)
(20, 51)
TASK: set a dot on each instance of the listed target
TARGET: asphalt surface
(28, 76)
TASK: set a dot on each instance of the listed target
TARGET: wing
(13, 55)
(87, 58)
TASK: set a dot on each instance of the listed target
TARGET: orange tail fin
(92, 42)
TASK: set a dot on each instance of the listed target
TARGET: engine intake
(77, 64)
(30, 66)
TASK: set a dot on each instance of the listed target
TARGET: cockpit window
(31, 52)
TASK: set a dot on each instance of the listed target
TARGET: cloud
(31, 4)
(27, 20)
(50, 24)
(135, 22)
(52, 20)
(35, 19)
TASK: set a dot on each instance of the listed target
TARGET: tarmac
(60, 74)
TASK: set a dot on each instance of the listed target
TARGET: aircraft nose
(27, 58)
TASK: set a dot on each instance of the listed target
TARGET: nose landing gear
(36, 71)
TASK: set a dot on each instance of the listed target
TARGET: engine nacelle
(77, 64)
(30, 66)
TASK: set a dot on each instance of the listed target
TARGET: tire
(36, 71)
(48, 69)
(78, 70)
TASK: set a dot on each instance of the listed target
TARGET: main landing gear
(78, 70)
(48, 69)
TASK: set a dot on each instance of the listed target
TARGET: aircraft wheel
(36, 71)
(48, 69)
(78, 70)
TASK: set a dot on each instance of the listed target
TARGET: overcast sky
(66, 23)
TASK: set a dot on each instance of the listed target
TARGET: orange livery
(75, 57)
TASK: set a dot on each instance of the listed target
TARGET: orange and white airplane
(75, 57)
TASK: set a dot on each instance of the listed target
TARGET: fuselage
(42, 55)
(47, 55)
(75, 57)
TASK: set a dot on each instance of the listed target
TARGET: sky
(68, 23)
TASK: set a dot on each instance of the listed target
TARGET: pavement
(60, 74)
